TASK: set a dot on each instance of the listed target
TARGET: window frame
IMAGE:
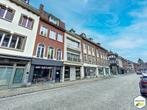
(57, 53)
(61, 35)
(26, 25)
(40, 50)
(54, 36)
(18, 36)
(41, 27)
(53, 53)
(6, 11)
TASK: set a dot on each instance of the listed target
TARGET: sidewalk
(46, 86)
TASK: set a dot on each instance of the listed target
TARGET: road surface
(111, 94)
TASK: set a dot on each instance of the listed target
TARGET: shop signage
(43, 67)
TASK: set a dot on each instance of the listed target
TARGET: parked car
(143, 85)
(139, 73)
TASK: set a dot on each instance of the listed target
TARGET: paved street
(110, 94)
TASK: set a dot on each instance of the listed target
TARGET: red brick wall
(47, 41)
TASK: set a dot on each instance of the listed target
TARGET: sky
(119, 25)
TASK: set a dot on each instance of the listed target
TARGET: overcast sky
(119, 25)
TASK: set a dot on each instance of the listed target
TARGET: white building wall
(14, 27)
(65, 45)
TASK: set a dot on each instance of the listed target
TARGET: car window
(144, 78)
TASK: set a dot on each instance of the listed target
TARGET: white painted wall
(15, 28)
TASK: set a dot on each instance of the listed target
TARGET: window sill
(12, 49)
(25, 27)
(43, 36)
(6, 19)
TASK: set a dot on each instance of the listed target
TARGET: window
(18, 75)
(93, 51)
(72, 43)
(40, 50)
(43, 31)
(54, 20)
(89, 50)
(6, 13)
(1, 35)
(12, 41)
(59, 54)
(73, 57)
(60, 37)
(6, 40)
(51, 53)
(26, 22)
(5, 75)
(98, 53)
(85, 48)
(52, 35)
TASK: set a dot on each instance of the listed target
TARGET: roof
(85, 38)
(73, 34)
(26, 6)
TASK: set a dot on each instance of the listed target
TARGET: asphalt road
(111, 94)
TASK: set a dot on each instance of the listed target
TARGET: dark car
(143, 85)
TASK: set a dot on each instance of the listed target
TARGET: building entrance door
(57, 76)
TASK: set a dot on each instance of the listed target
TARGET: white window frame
(53, 52)
(59, 34)
(43, 29)
(50, 36)
(57, 53)
(40, 51)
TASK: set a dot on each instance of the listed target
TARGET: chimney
(41, 8)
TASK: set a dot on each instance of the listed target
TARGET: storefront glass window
(5, 75)
(18, 75)
(101, 72)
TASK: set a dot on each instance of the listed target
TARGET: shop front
(45, 71)
(14, 71)
(90, 72)
(72, 73)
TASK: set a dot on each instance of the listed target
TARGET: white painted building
(18, 28)
(73, 69)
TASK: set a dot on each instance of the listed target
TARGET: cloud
(127, 43)
(119, 25)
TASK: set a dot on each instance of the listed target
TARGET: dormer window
(26, 1)
(54, 20)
